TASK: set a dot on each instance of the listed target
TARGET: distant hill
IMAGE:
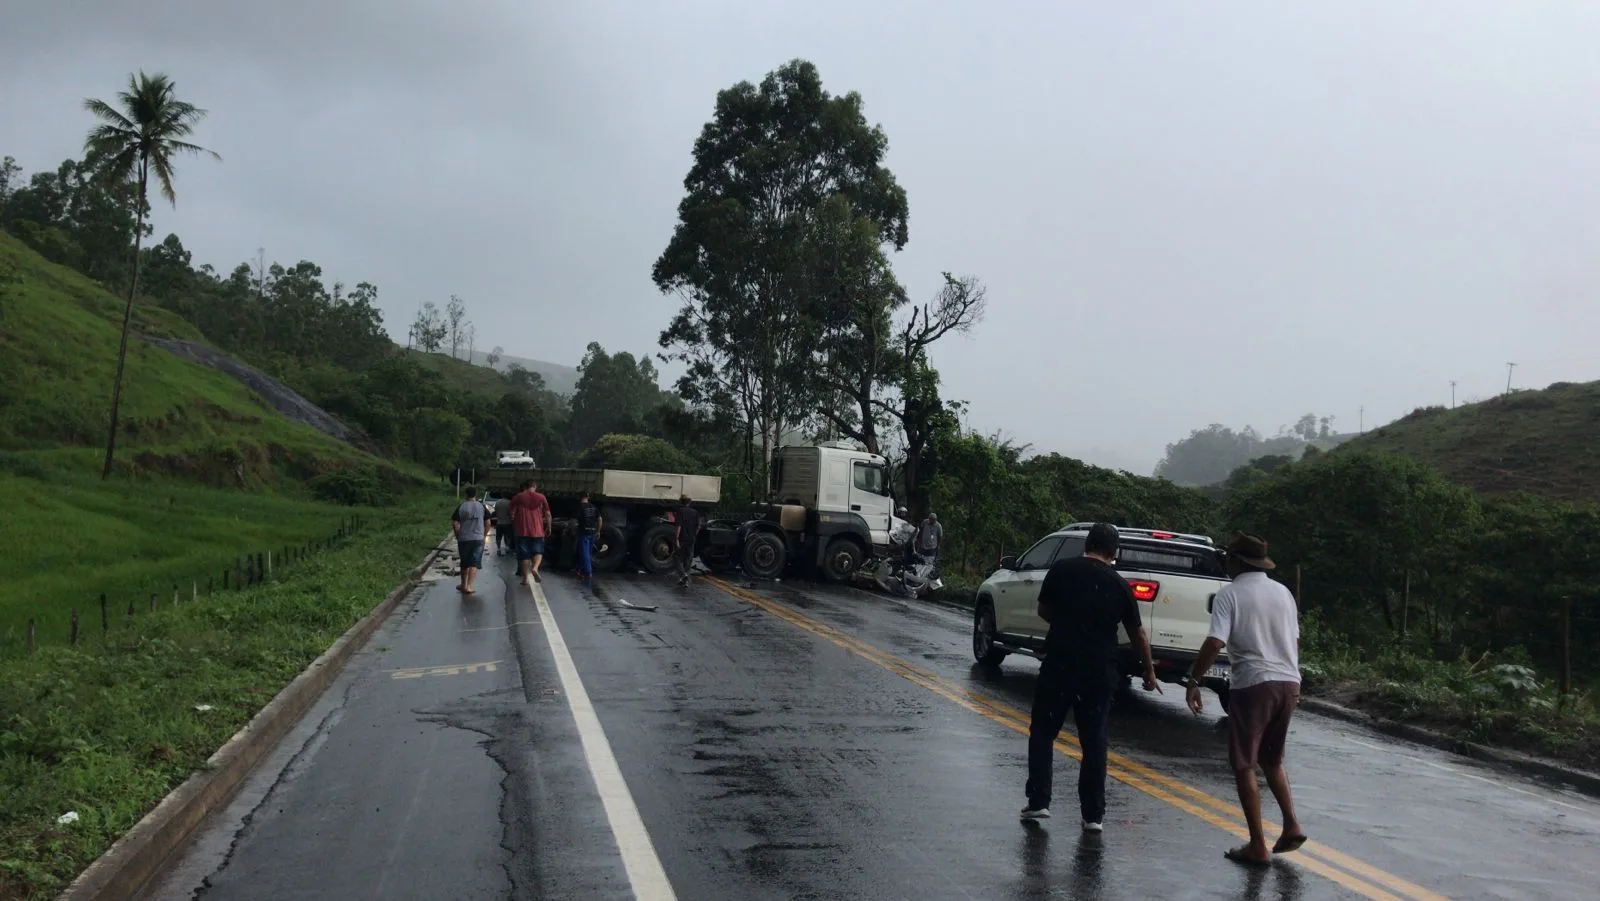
(1541, 442)
(558, 378)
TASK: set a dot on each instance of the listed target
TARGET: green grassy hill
(1542, 442)
(206, 469)
(460, 375)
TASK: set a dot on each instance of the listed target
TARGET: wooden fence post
(174, 594)
(105, 618)
(268, 570)
(1405, 607)
(152, 602)
(30, 638)
(130, 610)
(1566, 646)
(74, 639)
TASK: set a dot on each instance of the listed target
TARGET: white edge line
(645, 873)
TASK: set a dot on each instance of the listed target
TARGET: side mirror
(1008, 562)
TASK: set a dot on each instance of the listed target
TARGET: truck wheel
(610, 550)
(1222, 697)
(764, 556)
(983, 649)
(842, 559)
(657, 548)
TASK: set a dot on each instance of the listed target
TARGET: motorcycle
(915, 577)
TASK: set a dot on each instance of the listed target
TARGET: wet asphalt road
(795, 741)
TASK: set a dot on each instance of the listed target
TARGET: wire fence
(247, 570)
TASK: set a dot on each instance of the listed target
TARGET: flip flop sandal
(1288, 843)
(1238, 855)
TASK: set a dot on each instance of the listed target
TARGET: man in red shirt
(530, 512)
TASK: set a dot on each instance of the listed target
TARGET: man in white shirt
(1257, 620)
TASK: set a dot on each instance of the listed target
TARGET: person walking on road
(1257, 620)
(469, 522)
(688, 520)
(505, 536)
(590, 522)
(530, 515)
(930, 537)
(1084, 600)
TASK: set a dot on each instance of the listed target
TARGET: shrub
(353, 487)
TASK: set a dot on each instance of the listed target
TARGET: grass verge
(109, 728)
(70, 539)
(1493, 699)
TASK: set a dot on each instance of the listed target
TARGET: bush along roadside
(93, 736)
(1490, 698)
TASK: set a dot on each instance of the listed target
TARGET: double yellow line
(1353, 874)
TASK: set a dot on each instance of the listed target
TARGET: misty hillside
(558, 378)
(1541, 442)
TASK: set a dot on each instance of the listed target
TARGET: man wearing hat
(1257, 620)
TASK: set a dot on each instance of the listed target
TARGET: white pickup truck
(516, 458)
(1174, 577)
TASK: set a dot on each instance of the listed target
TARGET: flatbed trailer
(635, 507)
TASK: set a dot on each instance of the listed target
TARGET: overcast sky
(1185, 212)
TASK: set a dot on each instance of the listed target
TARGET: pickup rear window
(1170, 558)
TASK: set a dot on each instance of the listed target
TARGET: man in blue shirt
(590, 522)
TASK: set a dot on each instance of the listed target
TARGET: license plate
(1217, 671)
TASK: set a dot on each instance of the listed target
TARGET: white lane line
(1459, 772)
(645, 874)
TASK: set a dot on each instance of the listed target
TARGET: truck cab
(830, 506)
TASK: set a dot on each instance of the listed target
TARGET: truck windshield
(1170, 558)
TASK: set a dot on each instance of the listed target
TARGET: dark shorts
(1258, 723)
(471, 554)
(529, 548)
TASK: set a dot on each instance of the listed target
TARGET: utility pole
(1361, 421)
(1510, 368)
(1452, 394)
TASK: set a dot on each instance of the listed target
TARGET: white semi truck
(829, 510)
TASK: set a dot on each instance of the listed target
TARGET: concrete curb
(137, 857)
(1582, 780)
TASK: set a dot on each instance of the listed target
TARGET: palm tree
(138, 140)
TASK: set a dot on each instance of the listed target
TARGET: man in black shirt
(688, 520)
(1084, 600)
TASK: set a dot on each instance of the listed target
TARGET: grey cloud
(1185, 213)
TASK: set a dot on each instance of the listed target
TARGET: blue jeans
(586, 554)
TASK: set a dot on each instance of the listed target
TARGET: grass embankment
(58, 351)
(70, 539)
(109, 728)
(1491, 699)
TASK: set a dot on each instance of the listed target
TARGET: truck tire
(764, 556)
(615, 551)
(1223, 692)
(841, 560)
(658, 545)
(983, 649)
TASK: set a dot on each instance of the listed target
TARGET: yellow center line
(1315, 856)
